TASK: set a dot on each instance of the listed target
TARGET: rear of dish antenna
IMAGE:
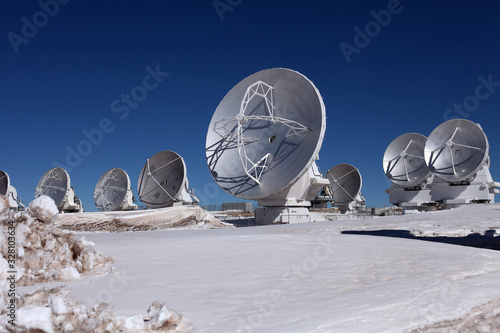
(163, 181)
(56, 184)
(457, 153)
(345, 187)
(113, 191)
(263, 141)
(404, 165)
(9, 191)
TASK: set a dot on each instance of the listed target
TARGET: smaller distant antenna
(404, 165)
(345, 187)
(163, 181)
(404, 162)
(10, 192)
(56, 184)
(113, 191)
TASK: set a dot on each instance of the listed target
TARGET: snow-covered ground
(316, 277)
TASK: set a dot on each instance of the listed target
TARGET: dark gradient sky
(67, 74)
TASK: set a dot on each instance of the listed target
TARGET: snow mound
(53, 310)
(43, 209)
(179, 217)
(485, 318)
(43, 252)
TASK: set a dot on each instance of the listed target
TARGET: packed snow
(392, 274)
(54, 310)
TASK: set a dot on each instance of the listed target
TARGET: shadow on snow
(486, 241)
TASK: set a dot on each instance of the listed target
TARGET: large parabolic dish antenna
(111, 190)
(54, 183)
(404, 162)
(265, 133)
(162, 179)
(456, 150)
(4, 183)
(345, 184)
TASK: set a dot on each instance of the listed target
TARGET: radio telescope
(113, 191)
(9, 191)
(263, 141)
(345, 187)
(404, 165)
(163, 181)
(457, 153)
(56, 184)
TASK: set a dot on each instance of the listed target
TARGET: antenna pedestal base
(14, 204)
(71, 203)
(408, 198)
(186, 198)
(128, 202)
(301, 193)
(357, 205)
(292, 204)
(480, 190)
(282, 215)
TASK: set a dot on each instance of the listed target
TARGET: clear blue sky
(71, 72)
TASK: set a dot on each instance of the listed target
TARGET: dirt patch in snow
(184, 217)
(485, 318)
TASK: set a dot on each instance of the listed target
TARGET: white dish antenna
(404, 165)
(456, 150)
(56, 184)
(457, 153)
(264, 138)
(9, 191)
(265, 133)
(113, 191)
(345, 185)
(404, 162)
(163, 181)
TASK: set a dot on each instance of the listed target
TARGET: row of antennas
(162, 183)
(451, 166)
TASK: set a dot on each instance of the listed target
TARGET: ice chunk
(162, 316)
(69, 273)
(58, 305)
(134, 323)
(20, 252)
(43, 209)
(35, 318)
